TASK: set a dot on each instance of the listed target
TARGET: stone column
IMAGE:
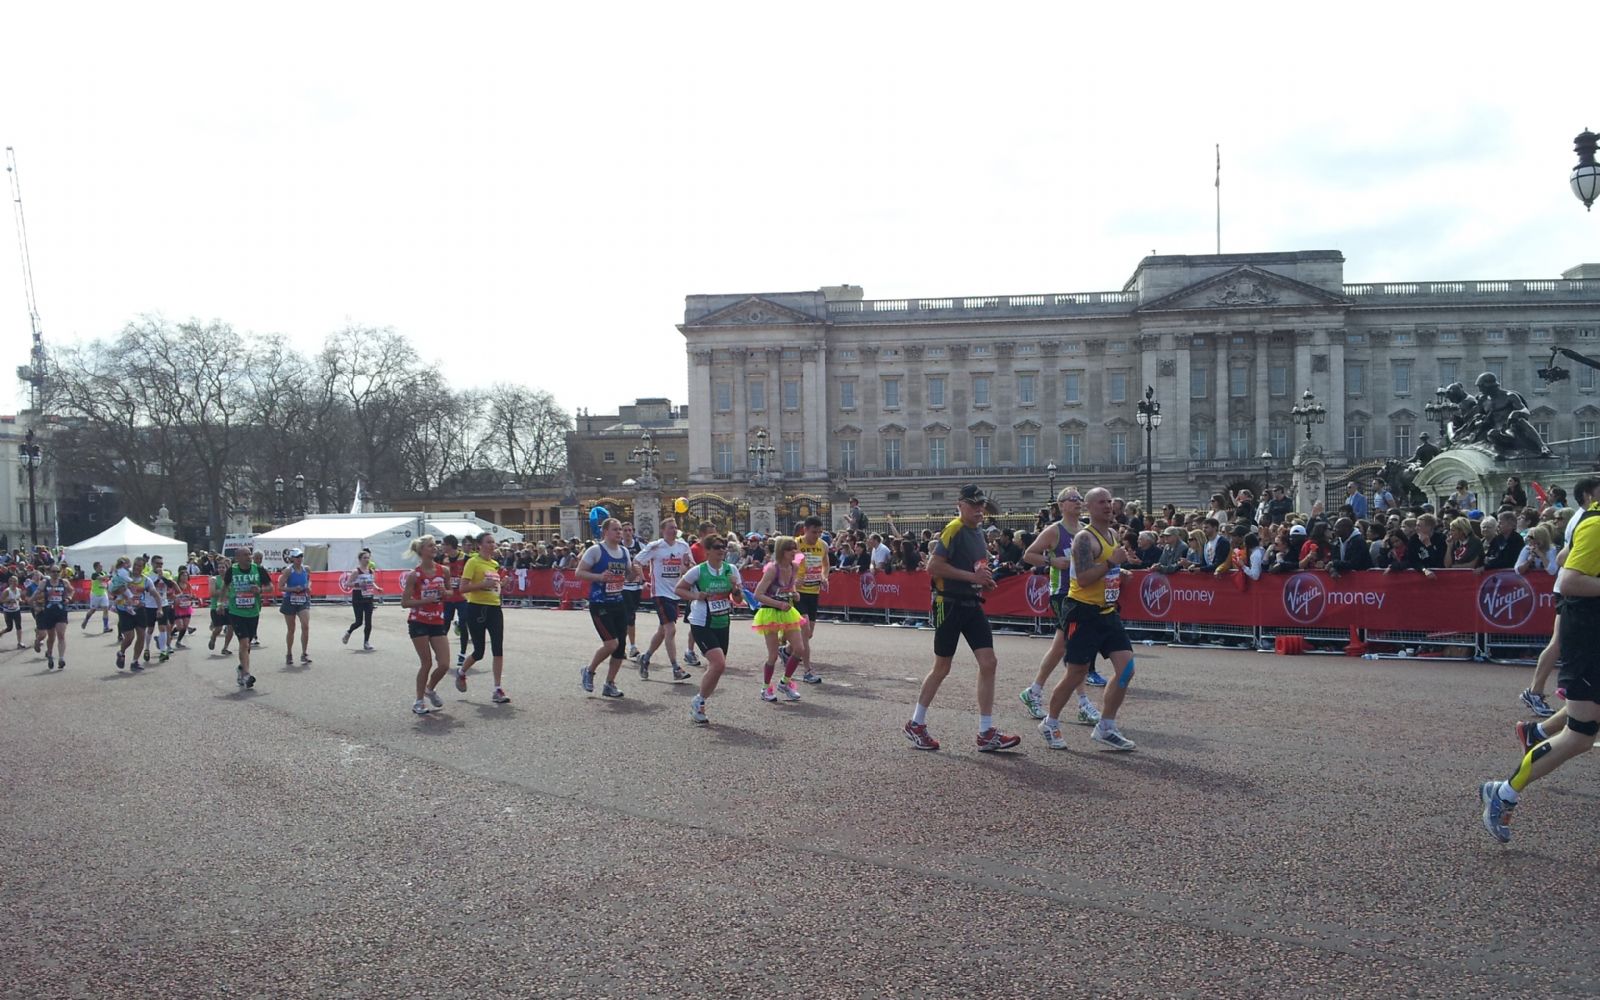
(1172, 439)
(763, 501)
(1223, 387)
(814, 409)
(1336, 413)
(646, 513)
(1263, 397)
(701, 412)
(163, 524)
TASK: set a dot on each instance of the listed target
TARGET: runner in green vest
(99, 600)
(710, 587)
(248, 585)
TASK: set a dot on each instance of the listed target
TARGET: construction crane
(33, 373)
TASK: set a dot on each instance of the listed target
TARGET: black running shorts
(957, 620)
(667, 610)
(706, 638)
(1094, 633)
(244, 626)
(426, 630)
(127, 621)
(630, 604)
(1579, 672)
(806, 604)
(611, 622)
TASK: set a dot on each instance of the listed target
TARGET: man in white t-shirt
(667, 559)
(880, 554)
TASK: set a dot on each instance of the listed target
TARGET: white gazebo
(126, 538)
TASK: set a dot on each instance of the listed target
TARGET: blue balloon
(597, 517)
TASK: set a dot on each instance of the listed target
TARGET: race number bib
(245, 600)
(671, 568)
(1113, 585)
(299, 600)
(432, 592)
(492, 581)
(614, 583)
(718, 605)
(813, 570)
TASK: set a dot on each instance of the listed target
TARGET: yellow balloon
(681, 505)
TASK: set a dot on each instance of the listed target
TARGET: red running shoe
(920, 738)
(1528, 736)
(993, 739)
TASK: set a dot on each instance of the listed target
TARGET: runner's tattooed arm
(1085, 567)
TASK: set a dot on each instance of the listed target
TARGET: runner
(125, 597)
(247, 585)
(98, 599)
(152, 597)
(808, 595)
(219, 611)
(710, 586)
(11, 605)
(631, 590)
(1051, 548)
(1578, 680)
(182, 606)
(697, 553)
(455, 602)
(1096, 584)
(480, 581)
(607, 567)
(295, 584)
(957, 613)
(777, 619)
(363, 582)
(667, 558)
(169, 610)
(52, 600)
(1533, 696)
(424, 594)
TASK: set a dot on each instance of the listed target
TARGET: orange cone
(1356, 647)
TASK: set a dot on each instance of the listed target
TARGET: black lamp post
(1442, 410)
(1586, 175)
(32, 458)
(1149, 416)
(647, 455)
(761, 453)
(1308, 411)
(299, 496)
(1050, 474)
(1266, 475)
(277, 499)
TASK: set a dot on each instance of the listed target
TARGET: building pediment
(1027, 425)
(1243, 287)
(1402, 414)
(937, 427)
(981, 425)
(847, 429)
(1073, 424)
(755, 311)
(892, 428)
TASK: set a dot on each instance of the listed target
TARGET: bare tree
(526, 431)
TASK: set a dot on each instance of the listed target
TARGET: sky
(528, 192)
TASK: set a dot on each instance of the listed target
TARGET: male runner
(1533, 696)
(631, 590)
(1051, 549)
(957, 613)
(1092, 595)
(813, 581)
(709, 587)
(667, 558)
(455, 602)
(697, 552)
(1578, 681)
(606, 566)
(125, 594)
(247, 585)
(152, 600)
(99, 600)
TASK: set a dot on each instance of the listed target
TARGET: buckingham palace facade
(899, 401)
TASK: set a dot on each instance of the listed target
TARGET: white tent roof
(337, 528)
(126, 538)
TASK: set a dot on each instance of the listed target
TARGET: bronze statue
(1495, 418)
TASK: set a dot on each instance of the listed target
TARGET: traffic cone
(1355, 647)
(566, 601)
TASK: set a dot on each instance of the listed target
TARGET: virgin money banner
(1454, 600)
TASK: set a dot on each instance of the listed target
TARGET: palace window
(756, 392)
(935, 390)
(981, 450)
(1071, 388)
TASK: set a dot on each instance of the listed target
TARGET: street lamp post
(761, 453)
(1586, 175)
(1307, 412)
(1050, 474)
(299, 496)
(1442, 410)
(1149, 416)
(1266, 474)
(277, 499)
(32, 458)
(647, 455)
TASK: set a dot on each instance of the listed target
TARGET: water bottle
(1149, 642)
(1369, 656)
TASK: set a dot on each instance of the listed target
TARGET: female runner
(52, 599)
(710, 586)
(777, 620)
(11, 604)
(295, 582)
(424, 595)
(363, 585)
(182, 606)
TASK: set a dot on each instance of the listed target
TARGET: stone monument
(1489, 439)
(571, 515)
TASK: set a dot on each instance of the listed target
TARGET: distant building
(600, 445)
(14, 516)
(902, 400)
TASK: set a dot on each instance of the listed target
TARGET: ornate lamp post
(1149, 416)
(647, 455)
(32, 458)
(1050, 474)
(277, 499)
(1266, 475)
(1586, 175)
(760, 454)
(1442, 410)
(1307, 412)
(299, 496)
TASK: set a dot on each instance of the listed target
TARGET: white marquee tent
(125, 538)
(332, 541)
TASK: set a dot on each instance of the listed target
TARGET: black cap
(972, 493)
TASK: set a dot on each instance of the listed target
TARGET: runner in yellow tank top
(1097, 559)
(813, 581)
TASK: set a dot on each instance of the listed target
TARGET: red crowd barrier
(1454, 600)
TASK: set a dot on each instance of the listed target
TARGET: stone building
(14, 513)
(600, 445)
(899, 401)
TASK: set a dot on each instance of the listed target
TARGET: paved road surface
(1293, 827)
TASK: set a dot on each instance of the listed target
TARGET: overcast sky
(528, 191)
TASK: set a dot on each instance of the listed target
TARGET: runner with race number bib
(363, 582)
(709, 586)
(667, 558)
(606, 566)
(455, 602)
(295, 582)
(808, 594)
(246, 586)
(480, 581)
(423, 595)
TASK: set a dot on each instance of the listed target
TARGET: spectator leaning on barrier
(1424, 551)
(1501, 550)
(1174, 552)
(1463, 549)
(1351, 553)
(1149, 550)
(1538, 553)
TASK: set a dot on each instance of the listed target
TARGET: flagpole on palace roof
(1219, 199)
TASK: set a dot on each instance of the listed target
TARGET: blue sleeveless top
(609, 591)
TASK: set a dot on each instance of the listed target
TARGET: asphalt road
(1293, 827)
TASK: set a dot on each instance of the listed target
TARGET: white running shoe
(1088, 715)
(1052, 735)
(367, 646)
(769, 693)
(419, 708)
(1106, 734)
(790, 689)
(1033, 702)
(433, 697)
(697, 710)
